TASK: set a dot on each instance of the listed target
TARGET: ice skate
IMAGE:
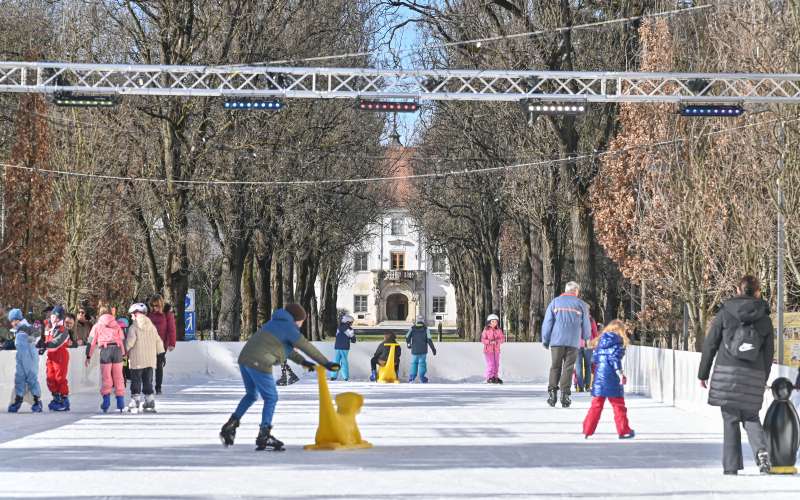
(762, 458)
(423, 379)
(55, 403)
(566, 400)
(292, 377)
(149, 405)
(373, 376)
(121, 403)
(411, 379)
(552, 396)
(228, 432)
(64, 404)
(106, 404)
(16, 405)
(266, 441)
(281, 381)
(36, 407)
(628, 435)
(134, 404)
(498, 380)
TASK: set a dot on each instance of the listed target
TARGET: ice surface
(462, 441)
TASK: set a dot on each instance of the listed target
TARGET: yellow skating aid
(387, 374)
(783, 470)
(337, 428)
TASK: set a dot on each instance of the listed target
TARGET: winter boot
(228, 432)
(36, 407)
(498, 380)
(134, 403)
(106, 404)
(552, 396)
(266, 441)
(56, 402)
(373, 376)
(292, 377)
(423, 379)
(120, 403)
(411, 379)
(64, 404)
(149, 405)
(565, 399)
(763, 461)
(16, 405)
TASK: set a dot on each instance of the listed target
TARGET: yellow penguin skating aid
(337, 428)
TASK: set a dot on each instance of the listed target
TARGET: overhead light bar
(253, 104)
(710, 110)
(68, 99)
(553, 108)
(388, 106)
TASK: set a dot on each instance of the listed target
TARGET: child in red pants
(609, 380)
(56, 342)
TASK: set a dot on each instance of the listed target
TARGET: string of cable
(477, 41)
(366, 180)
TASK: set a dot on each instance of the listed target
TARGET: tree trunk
(264, 286)
(231, 304)
(537, 284)
(288, 278)
(277, 282)
(524, 284)
(249, 302)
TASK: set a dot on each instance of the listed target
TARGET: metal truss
(418, 85)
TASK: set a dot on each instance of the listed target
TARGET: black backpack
(745, 342)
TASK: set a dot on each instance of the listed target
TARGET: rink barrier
(664, 375)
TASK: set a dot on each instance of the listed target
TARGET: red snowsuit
(57, 342)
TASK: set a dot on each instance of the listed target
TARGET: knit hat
(58, 311)
(347, 319)
(297, 311)
(15, 315)
(137, 307)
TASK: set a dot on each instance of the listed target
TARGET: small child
(56, 341)
(492, 338)
(271, 346)
(418, 339)
(27, 374)
(609, 380)
(381, 356)
(108, 336)
(344, 337)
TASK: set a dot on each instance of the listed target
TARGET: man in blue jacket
(565, 322)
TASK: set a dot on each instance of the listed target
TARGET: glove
(546, 346)
(332, 367)
(624, 380)
(353, 340)
(797, 382)
(308, 365)
(41, 351)
(433, 351)
(408, 345)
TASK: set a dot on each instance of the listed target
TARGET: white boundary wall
(666, 376)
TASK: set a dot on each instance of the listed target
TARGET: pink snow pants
(492, 364)
(112, 377)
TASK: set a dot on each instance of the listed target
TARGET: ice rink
(460, 441)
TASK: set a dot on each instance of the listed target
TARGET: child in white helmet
(491, 338)
(345, 335)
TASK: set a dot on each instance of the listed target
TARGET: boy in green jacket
(272, 345)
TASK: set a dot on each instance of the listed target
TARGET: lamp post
(781, 285)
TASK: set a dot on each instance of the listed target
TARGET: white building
(392, 278)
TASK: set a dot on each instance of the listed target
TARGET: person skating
(566, 321)
(107, 335)
(583, 365)
(345, 335)
(492, 338)
(26, 377)
(609, 380)
(164, 322)
(143, 345)
(418, 339)
(270, 346)
(742, 341)
(56, 342)
(381, 356)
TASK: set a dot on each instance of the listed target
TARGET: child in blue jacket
(345, 335)
(609, 380)
(27, 374)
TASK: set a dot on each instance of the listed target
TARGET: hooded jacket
(418, 339)
(143, 343)
(275, 342)
(104, 333)
(27, 355)
(344, 337)
(737, 383)
(492, 338)
(607, 358)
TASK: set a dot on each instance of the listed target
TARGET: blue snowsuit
(27, 374)
(607, 358)
(344, 337)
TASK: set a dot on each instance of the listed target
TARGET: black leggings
(142, 377)
(161, 361)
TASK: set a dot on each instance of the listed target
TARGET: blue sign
(189, 322)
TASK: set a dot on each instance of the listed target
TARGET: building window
(438, 263)
(398, 260)
(361, 261)
(360, 303)
(439, 305)
(398, 226)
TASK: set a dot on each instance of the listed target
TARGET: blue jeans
(341, 360)
(256, 380)
(583, 367)
(419, 363)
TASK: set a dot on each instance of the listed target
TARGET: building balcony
(399, 275)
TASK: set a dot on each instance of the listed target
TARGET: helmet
(15, 315)
(420, 319)
(492, 317)
(137, 307)
(58, 311)
(347, 319)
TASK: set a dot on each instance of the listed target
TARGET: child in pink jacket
(491, 338)
(108, 336)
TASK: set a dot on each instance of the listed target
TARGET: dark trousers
(562, 367)
(732, 436)
(142, 381)
(161, 361)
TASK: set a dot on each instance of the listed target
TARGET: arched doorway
(396, 307)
